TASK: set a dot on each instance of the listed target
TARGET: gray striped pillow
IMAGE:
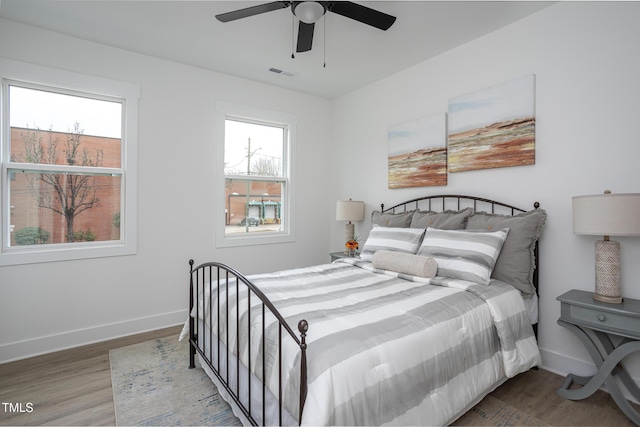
(406, 240)
(464, 254)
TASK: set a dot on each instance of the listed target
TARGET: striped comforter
(385, 348)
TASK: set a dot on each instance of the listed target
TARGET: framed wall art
(418, 152)
(493, 127)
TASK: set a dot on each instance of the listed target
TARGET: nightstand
(599, 325)
(336, 255)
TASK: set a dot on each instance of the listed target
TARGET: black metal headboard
(443, 202)
(455, 202)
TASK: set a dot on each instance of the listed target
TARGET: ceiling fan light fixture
(309, 11)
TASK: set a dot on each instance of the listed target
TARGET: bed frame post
(192, 334)
(303, 327)
(536, 274)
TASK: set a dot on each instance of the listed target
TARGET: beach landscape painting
(418, 152)
(493, 127)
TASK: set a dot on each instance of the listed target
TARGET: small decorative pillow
(399, 262)
(447, 220)
(395, 239)
(464, 254)
(401, 220)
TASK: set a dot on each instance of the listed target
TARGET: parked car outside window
(253, 222)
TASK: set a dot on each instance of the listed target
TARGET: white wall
(48, 306)
(587, 64)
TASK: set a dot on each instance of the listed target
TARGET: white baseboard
(563, 365)
(47, 344)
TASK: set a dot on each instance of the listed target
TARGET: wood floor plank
(73, 387)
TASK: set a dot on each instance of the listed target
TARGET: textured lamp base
(608, 272)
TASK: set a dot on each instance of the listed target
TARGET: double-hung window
(68, 165)
(256, 175)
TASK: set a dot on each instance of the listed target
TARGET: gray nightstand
(336, 255)
(595, 323)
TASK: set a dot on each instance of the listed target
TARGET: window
(256, 176)
(68, 165)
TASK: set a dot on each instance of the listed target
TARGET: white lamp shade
(309, 11)
(607, 214)
(349, 210)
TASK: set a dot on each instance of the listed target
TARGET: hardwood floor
(534, 393)
(73, 387)
(70, 387)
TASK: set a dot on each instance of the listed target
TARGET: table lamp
(349, 210)
(607, 215)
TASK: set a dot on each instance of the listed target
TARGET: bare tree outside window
(260, 166)
(66, 194)
(266, 166)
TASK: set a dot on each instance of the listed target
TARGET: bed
(385, 338)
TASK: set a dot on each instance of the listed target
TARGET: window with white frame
(68, 165)
(256, 176)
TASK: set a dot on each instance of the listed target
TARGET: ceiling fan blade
(305, 37)
(251, 11)
(363, 14)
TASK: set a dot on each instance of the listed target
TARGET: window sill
(229, 241)
(55, 253)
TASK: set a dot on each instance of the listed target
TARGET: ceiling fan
(309, 12)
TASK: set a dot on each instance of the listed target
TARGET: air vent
(282, 72)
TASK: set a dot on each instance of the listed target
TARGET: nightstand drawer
(604, 319)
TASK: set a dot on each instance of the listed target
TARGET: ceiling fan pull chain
(324, 41)
(293, 36)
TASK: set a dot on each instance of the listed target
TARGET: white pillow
(464, 254)
(406, 240)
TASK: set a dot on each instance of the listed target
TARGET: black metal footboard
(210, 283)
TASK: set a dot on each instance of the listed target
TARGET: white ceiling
(355, 54)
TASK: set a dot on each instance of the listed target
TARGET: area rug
(153, 386)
